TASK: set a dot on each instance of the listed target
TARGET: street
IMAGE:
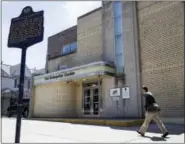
(33, 131)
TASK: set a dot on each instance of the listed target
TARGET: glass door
(87, 101)
(91, 99)
(95, 101)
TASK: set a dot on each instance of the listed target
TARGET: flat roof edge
(84, 15)
(75, 26)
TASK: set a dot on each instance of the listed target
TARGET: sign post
(25, 31)
(115, 94)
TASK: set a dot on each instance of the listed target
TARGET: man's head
(145, 89)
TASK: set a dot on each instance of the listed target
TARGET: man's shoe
(140, 133)
(165, 135)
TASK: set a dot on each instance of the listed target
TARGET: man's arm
(147, 101)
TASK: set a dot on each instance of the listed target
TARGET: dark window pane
(66, 49)
(96, 109)
(28, 84)
(87, 99)
(96, 99)
(87, 106)
(87, 92)
(95, 92)
(15, 83)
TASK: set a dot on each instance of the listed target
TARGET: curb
(124, 123)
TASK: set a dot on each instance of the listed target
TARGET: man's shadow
(155, 138)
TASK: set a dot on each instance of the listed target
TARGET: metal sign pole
(117, 107)
(20, 98)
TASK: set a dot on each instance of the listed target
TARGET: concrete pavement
(91, 121)
(57, 132)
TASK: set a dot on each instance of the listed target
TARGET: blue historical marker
(25, 31)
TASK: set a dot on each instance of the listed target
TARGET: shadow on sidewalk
(174, 129)
(155, 138)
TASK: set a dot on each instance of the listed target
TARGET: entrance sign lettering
(60, 75)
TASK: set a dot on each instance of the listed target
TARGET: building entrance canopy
(75, 73)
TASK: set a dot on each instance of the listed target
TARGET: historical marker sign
(27, 29)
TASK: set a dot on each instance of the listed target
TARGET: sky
(58, 16)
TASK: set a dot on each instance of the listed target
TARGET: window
(74, 47)
(28, 84)
(69, 48)
(66, 49)
(15, 83)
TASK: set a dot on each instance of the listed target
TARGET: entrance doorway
(91, 99)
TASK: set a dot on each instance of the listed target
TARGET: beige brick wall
(89, 43)
(79, 94)
(89, 37)
(55, 100)
(161, 27)
(68, 60)
(142, 5)
(109, 106)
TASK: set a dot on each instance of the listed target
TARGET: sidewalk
(33, 131)
(105, 122)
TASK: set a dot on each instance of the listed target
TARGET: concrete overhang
(81, 72)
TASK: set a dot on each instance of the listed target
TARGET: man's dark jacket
(150, 102)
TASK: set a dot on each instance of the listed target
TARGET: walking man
(152, 113)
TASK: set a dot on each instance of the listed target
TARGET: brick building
(121, 44)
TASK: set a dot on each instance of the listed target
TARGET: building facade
(10, 75)
(121, 44)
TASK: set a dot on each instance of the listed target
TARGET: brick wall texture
(161, 32)
(89, 37)
(89, 43)
(57, 41)
(55, 45)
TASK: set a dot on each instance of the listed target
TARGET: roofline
(4, 71)
(62, 31)
(6, 64)
(14, 65)
(97, 9)
(8, 76)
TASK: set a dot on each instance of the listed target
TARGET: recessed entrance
(91, 98)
